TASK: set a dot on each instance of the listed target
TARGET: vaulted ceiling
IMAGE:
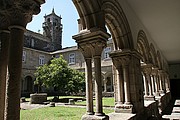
(162, 20)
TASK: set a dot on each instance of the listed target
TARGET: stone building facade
(39, 50)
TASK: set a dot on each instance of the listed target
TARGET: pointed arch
(143, 47)
(118, 25)
(159, 60)
(153, 54)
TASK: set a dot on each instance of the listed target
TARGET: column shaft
(89, 87)
(4, 41)
(149, 84)
(14, 81)
(156, 85)
(152, 84)
(98, 85)
(160, 84)
(145, 86)
(126, 84)
(120, 87)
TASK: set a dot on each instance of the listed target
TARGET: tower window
(72, 58)
(41, 59)
(48, 20)
(107, 50)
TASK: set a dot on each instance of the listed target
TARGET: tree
(58, 75)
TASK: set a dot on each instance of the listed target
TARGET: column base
(94, 117)
(149, 98)
(123, 108)
(90, 113)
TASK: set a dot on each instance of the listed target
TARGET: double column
(121, 63)
(164, 82)
(91, 44)
(17, 17)
(147, 70)
(156, 81)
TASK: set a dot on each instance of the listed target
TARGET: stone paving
(175, 111)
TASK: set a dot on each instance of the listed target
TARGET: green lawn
(61, 112)
(56, 113)
(107, 101)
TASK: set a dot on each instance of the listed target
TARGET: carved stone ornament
(147, 68)
(19, 12)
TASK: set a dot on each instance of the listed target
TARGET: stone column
(89, 86)
(145, 86)
(96, 41)
(128, 82)
(14, 69)
(156, 83)
(160, 73)
(4, 49)
(166, 83)
(153, 84)
(19, 15)
(147, 69)
(84, 48)
(125, 62)
(98, 85)
(120, 87)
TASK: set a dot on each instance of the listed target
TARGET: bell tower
(52, 28)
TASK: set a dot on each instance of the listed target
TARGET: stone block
(38, 98)
(94, 117)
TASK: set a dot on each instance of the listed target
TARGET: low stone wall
(38, 98)
(151, 110)
(163, 101)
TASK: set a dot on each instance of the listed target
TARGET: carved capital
(4, 20)
(146, 68)
(19, 12)
(85, 49)
(154, 71)
(92, 41)
(121, 58)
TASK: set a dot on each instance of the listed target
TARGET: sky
(69, 15)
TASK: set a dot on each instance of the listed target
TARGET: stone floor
(172, 112)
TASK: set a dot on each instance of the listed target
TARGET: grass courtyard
(62, 112)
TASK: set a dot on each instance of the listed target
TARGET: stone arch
(118, 25)
(159, 60)
(90, 14)
(153, 54)
(143, 46)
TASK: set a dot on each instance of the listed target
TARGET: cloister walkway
(172, 112)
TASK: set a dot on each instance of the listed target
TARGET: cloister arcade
(140, 72)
